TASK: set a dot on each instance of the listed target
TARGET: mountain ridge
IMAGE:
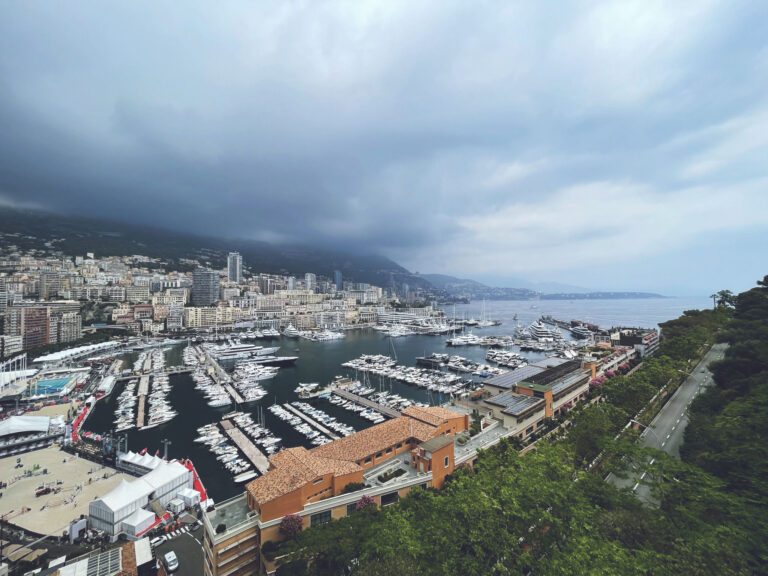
(76, 235)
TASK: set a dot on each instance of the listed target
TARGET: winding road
(666, 430)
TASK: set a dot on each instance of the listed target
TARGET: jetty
(311, 422)
(362, 401)
(142, 394)
(234, 393)
(256, 456)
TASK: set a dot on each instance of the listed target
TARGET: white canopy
(20, 424)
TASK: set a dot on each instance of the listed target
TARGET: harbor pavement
(78, 482)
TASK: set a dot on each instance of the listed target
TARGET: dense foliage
(543, 513)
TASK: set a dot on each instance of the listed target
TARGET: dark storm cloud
(493, 138)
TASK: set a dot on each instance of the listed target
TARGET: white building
(24, 433)
(123, 510)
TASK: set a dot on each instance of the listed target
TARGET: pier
(311, 422)
(219, 374)
(385, 410)
(234, 393)
(142, 394)
(256, 456)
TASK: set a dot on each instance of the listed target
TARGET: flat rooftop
(514, 403)
(230, 512)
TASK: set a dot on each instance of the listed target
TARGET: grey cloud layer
(488, 138)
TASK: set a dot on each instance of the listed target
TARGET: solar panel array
(567, 382)
(557, 372)
(514, 403)
(512, 378)
(105, 564)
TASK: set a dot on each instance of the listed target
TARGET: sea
(321, 362)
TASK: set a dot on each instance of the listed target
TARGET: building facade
(312, 484)
(205, 287)
(235, 267)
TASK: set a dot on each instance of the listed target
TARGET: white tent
(24, 424)
(189, 496)
(161, 484)
(138, 522)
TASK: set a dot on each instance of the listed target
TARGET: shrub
(270, 549)
(353, 487)
(291, 525)
(389, 475)
(365, 502)
(221, 528)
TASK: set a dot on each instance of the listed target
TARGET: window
(351, 508)
(320, 518)
(389, 450)
(378, 455)
(387, 499)
(399, 445)
(446, 461)
(367, 460)
(318, 480)
(529, 430)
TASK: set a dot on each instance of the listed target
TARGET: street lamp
(648, 428)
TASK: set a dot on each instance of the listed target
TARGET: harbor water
(321, 362)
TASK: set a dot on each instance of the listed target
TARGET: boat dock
(256, 456)
(311, 422)
(234, 393)
(147, 364)
(142, 394)
(219, 374)
(385, 410)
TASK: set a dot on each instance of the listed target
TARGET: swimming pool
(51, 386)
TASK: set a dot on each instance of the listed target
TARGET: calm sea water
(321, 362)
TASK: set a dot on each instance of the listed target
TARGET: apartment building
(311, 484)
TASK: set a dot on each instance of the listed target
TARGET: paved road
(189, 550)
(666, 431)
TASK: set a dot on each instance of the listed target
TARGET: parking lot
(189, 550)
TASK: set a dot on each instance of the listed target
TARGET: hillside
(471, 289)
(75, 235)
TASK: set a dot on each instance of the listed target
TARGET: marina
(256, 456)
(198, 399)
(311, 422)
(370, 404)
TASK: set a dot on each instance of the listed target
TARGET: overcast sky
(616, 145)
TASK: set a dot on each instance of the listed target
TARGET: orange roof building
(298, 476)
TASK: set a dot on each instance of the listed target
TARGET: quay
(142, 394)
(147, 364)
(256, 456)
(219, 374)
(385, 410)
(234, 393)
(311, 422)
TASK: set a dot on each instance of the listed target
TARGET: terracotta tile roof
(293, 468)
(434, 415)
(362, 444)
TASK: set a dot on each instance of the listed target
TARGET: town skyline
(513, 141)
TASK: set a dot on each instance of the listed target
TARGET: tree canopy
(543, 513)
